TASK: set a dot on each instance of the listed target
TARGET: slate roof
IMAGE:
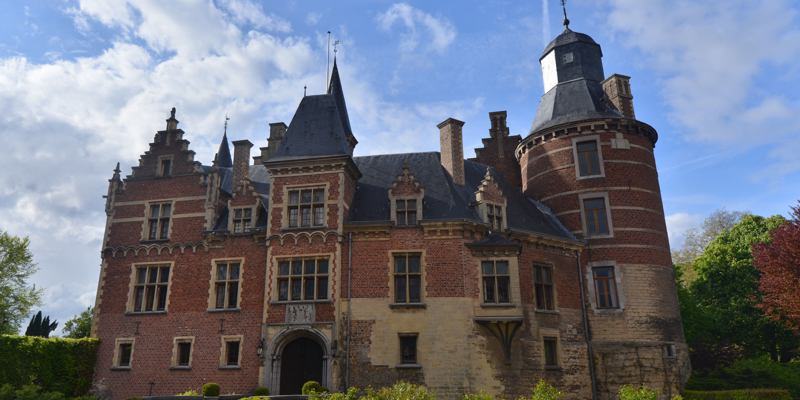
(571, 101)
(566, 37)
(224, 153)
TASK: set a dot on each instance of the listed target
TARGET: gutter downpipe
(586, 333)
(349, 307)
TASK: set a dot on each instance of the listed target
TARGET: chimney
(618, 90)
(499, 130)
(452, 150)
(277, 130)
(241, 160)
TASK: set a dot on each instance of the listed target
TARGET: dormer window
(306, 208)
(242, 219)
(406, 212)
(165, 166)
(494, 216)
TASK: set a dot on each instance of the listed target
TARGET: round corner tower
(589, 160)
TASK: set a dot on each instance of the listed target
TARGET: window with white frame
(150, 288)
(496, 282)
(227, 281)
(306, 208)
(303, 279)
(242, 219)
(158, 221)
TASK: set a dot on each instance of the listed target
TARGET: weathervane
(336, 43)
(564, 8)
(225, 132)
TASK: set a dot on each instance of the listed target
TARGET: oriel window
(588, 158)
(543, 285)
(406, 212)
(306, 208)
(150, 288)
(242, 219)
(596, 217)
(158, 221)
(407, 279)
(605, 287)
(226, 284)
(496, 282)
(303, 279)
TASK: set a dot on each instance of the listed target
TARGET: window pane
(319, 195)
(488, 290)
(400, 205)
(152, 234)
(408, 349)
(305, 196)
(541, 303)
(138, 298)
(233, 272)
(308, 291)
(166, 210)
(502, 290)
(550, 352)
(248, 212)
(237, 213)
(233, 353)
(501, 267)
(184, 351)
(414, 285)
(125, 354)
(400, 289)
(548, 296)
(150, 294)
(297, 267)
(162, 297)
(152, 275)
(283, 268)
(309, 266)
(220, 289)
(412, 218)
(413, 264)
(164, 278)
(322, 288)
(293, 217)
(233, 294)
(164, 224)
(547, 275)
(296, 289)
(399, 264)
(411, 205)
(487, 267)
(319, 215)
(154, 210)
(294, 197)
(141, 274)
(322, 266)
(305, 216)
(222, 272)
(283, 290)
(401, 218)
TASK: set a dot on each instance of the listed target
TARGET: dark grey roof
(567, 37)
(259, 178)
(443, 200)
(571, 101)
(316, 130)
(224, 153)
(335, 89)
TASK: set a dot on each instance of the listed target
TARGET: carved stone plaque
(300, 313)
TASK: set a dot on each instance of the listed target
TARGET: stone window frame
(514, 290)
(393, 209)
(129, 307)
(176, 349)
(548, 334)
(232, 214)
(212, 293)
(160, 166)
(285, 205)
(551, 266)
(402, 363)
(115, 358)
(670, 351)
(146, 223)
(422, 283)
(223, 351)
(594, 195)
(496, 303)
(618, 275)
(275, 286)
(599, 142)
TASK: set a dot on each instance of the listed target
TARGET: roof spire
(227, 118)
(564, 8)
(223, 157)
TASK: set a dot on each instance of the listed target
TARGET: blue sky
(84, 84)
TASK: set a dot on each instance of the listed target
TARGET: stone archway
(302, 360)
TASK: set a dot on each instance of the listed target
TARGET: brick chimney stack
(452, 148)
(618, 90)
(276, 132)
(241, 160)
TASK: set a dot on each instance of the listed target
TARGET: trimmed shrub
(54, 364)
(545, 391)
(403, 391)
(261, 391)
(628, 392)
(739, 394)
(313, 387)
(211, 389)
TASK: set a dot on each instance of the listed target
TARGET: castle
(545, 256)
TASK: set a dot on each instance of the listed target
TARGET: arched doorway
(301, 361)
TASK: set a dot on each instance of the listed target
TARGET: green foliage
(677, 397)
(741, 394)
(16, 296)
(261, 391)
(55, 364)
(637, 393)
(545, 391)
(40, 326)
(34, 392)
(351, 394)
(211, 389)
(255, 398)
(79, 326)
(313, 387)
(481, 395)
(189, 392)
(758, 372)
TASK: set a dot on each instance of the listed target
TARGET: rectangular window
(124, 353)
(306, 208)
(226, 284)
(588, 158)
(407, 278)
(150, 288)
(231, 346)
(496, 282)
(543, 285)
(406, 212)
(303, 279)
(595, 216)
(242, 219)
(550, 351)
(495, 215)
(165, 169)
(408, 348)
(158, 221)
(182, 356)
(605, 287)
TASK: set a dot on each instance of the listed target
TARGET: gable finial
(225, 130)
(564, 8)
(305, 87)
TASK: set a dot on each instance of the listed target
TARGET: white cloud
(313, 18)
(247, 12)
(437, 35)
(678, 224)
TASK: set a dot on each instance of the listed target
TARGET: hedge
(739, 394)
(54, 364)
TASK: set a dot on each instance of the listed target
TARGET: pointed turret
(224, 153)
(335, 90)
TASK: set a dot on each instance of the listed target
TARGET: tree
(79, 326)
(40, 326)
(779, 264)
(721, 317)
(16, 296)
(696, 240)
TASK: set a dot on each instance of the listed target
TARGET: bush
(313, 387)
(478, 396)
(628, 392)
(261, 391)
(211, 389)
(55, 364)
(740, 394)
(545, 391)
(190, 392)
(753, 373)
(255, 398)
(404, 391)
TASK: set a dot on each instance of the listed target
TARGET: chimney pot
(452, 148)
